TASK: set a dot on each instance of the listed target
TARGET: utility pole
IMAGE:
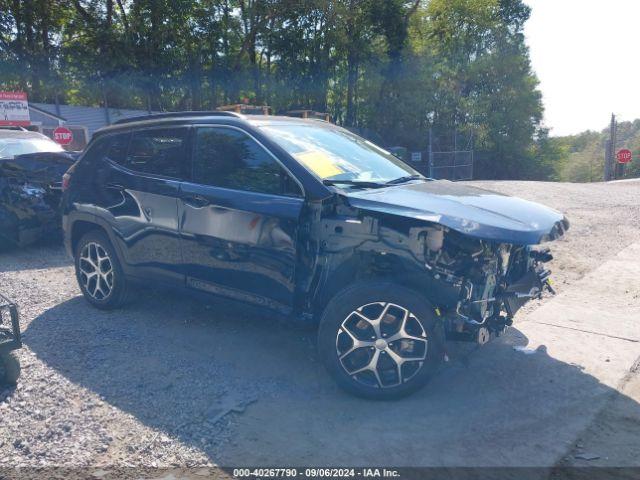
(107, 114)
(609, 155)
(618, 171)
(430, 155)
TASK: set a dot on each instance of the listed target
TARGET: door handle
(115, 186)
(196, 201)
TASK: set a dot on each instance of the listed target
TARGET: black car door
(137, 187)
(239, 219)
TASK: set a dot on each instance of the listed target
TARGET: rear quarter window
(157, 151)
(112, 148)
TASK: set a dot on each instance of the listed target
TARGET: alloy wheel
(381, 345)
(96, 271)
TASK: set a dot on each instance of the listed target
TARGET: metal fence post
(430, 154)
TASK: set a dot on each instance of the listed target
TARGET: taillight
(66, 178)
(66, 181)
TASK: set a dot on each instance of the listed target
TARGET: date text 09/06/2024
(315, 472)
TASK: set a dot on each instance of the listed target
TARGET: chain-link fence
(450, 154)
(454, 165)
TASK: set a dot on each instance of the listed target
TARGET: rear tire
(9, 369)
(99, 272)
(379, 340)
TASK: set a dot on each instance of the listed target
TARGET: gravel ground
(162, 382)
(104, 388)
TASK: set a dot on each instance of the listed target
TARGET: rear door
(239, 219)
(137, 188)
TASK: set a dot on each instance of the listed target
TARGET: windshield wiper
(404, 179)
(355, 183)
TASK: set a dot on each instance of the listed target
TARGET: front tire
(99, 273)
(379, 340)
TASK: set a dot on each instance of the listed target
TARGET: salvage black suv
(310, 220)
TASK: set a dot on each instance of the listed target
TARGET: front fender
(363, 247)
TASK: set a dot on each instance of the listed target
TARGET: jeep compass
(307, 219)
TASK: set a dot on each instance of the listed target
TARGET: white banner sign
(14, 109)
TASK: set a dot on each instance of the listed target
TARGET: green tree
(391, 69)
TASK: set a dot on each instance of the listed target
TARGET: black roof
(172, 118)
(159, 116)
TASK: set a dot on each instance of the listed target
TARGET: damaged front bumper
(465, 324)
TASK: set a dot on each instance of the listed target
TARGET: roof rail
(13, 127)
(156, 116)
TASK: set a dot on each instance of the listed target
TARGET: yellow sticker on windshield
(320, 163)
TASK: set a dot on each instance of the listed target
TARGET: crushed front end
(493, 281)
(30, 193)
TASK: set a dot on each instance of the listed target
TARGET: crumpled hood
(473, 211)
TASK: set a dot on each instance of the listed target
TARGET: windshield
(335, 154)
(10, 147)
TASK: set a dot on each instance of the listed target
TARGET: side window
(112, 147)
(231, 159)
(161, 151)
(116, 150)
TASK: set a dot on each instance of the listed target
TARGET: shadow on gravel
(179, 366)
(45, 254)
(6, 392)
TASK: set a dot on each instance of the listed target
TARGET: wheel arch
(370, 266)
(82, 224)
(80, 228)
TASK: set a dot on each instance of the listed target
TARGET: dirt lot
(173, 382)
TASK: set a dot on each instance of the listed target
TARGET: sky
(585, 55)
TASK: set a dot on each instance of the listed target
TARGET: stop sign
(623, 156)
(63, 136)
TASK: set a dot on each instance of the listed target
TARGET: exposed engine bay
(494, 280)
(477, 284)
